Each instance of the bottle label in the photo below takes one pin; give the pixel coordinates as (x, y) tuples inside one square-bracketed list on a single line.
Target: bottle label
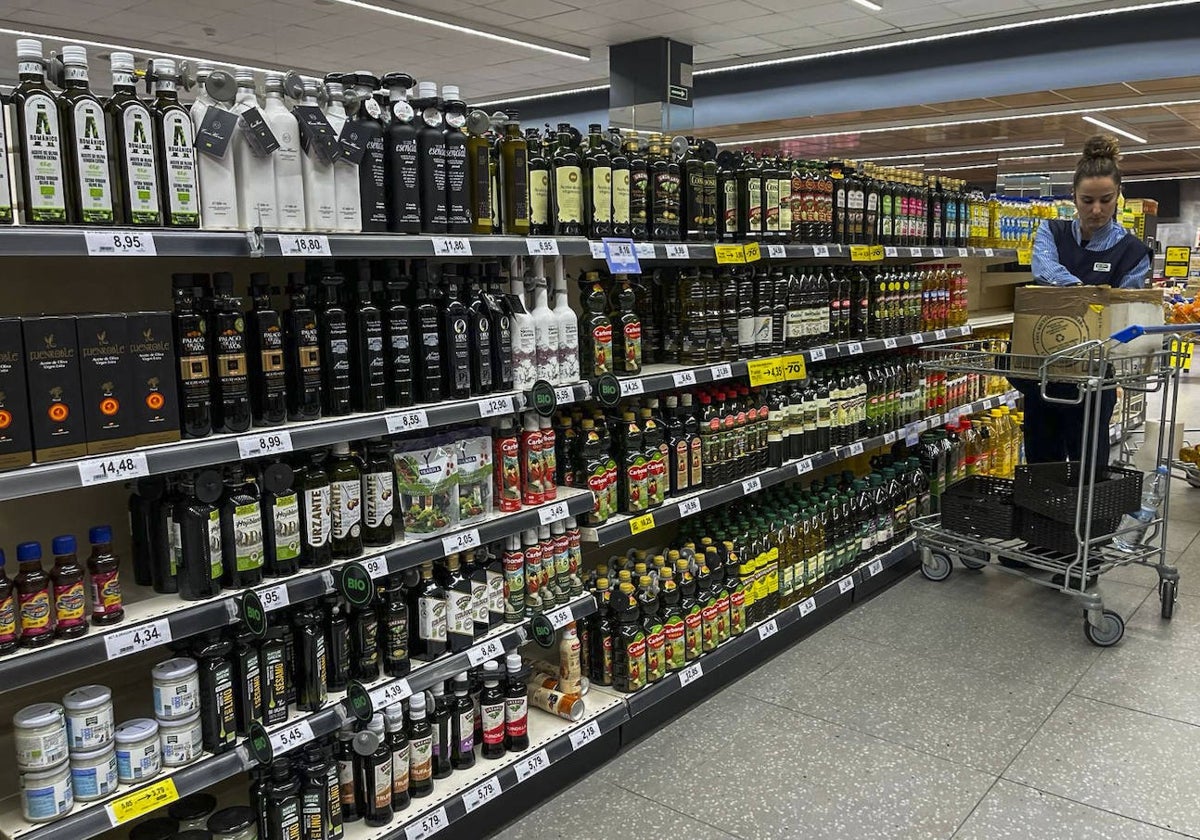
[(91, 159), (383, 784), (215, 555), (106, 594), (317, 512), (466, 731), (380, 498), (287, 528), (479, 601), (620, 197), (346, 500), (6, 212), (635, 658), (568, 181), (493, 715), (248, 537), (8, 619), (516, 716), (69, 604), (495, 592), (694, 633), (35, 612), (656, 663), (346, 782), (431, 619), (420, 761), (312, 813), (400, 769), (697, 462), (395, 636), (43, 158), (176, 546), (539, 196), (602, 194), (458, 613), (180, 169)]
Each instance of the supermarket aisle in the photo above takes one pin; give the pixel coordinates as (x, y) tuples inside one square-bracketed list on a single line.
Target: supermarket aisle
[(973, 709)]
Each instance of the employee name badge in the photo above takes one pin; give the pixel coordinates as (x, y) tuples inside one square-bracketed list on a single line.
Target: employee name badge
[(1105, 267)]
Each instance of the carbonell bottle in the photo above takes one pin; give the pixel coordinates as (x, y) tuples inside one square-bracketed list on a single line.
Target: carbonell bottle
[(348, 218), (218, 181), (289, 177), (320, 199), (255, 173)]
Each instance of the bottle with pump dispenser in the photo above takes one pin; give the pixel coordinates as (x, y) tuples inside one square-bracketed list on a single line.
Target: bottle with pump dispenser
[(288, 170), (178, 177), (85, 133), (131, 133), (43, 170), (218, 180), (348, 202), (257, 200)]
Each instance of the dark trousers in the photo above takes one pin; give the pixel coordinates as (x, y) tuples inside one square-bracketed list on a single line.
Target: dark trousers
[(1055, 432)]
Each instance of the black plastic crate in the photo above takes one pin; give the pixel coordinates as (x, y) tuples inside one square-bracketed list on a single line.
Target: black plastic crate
[(980, 505), (1048, 494)]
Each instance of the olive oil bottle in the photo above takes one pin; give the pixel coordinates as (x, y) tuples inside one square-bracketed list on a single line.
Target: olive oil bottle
[(85, 132), (268, 376), (39, 136), (345, 499), (598, 192), (227, 329), (401, 161), (514, 179), (568, 186), (191, 350), (175, 144), (132, 148), (540, 223), (302, 354)]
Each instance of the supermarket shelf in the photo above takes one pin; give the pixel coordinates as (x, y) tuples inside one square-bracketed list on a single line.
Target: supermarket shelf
[(225, 448), (622, 528), (399, 245), (698, 251), (159, 619), (72, 241), (665, 377), (93, 818), (989, 319)]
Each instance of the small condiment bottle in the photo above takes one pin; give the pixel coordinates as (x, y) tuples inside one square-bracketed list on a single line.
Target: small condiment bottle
[(8, 612), (104, 577), (33, 597)]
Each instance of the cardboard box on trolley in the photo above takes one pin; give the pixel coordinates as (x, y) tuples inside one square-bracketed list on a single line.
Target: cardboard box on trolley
[(1047, 319)]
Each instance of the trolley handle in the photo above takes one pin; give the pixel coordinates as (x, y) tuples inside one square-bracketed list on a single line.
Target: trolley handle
[(1135, 331)]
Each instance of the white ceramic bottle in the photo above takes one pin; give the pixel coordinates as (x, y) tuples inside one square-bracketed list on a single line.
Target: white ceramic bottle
[(320, 197), (545, 326), (257, 205), (524, 333), (289, 178), (345, 173), (218, 181), (568, 328)]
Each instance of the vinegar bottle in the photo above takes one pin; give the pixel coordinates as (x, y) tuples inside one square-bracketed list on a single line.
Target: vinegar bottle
[(257, 204)]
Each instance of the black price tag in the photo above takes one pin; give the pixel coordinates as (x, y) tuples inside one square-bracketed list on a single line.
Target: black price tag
[(608, 390), (316, 134), (542, 398), (216, 129), (258, 134), (353, 141)]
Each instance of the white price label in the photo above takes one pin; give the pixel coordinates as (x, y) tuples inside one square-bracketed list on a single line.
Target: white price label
[(916, 252), (989, 252), (776, 252), (855, 348), (389, 695), (304, 245), (689, 507), (462, 541), (597, 249), (585, 735), (856, 448), (451, 246), (804, 466), (721, 372), (940, 335), (676, 251), (428, 825), (274, 597), (962, 252), (564, 395), (553, 513), (889, 344), (890, 252), (495, 406), (684, 378), (817, 354), (820, 250), (807, 606), (542, 247), (846, 584), (485, 651), (134, 639), (532, 765), (376, 567), (560, 617), (482, 794), (644, 250), (917, 338), (290, 737), (264, 443), (768, 629), (690, 674), (889, 438), (939, 252), (751, 485), (407, 421), (112, 468), (632, 387), (875, 568), (120, 243)]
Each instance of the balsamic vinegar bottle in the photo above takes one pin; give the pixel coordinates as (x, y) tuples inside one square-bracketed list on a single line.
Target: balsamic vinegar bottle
[(420, 741), (335, 349), (175, 138), (460, 628), (397, 337), (39, 137), (280, 507), (442, 732), (401, 159), (394, 628), (369, 378), (364, 643), (427, 601), (191, 350), (268, 388), (397, 738), (456, 335), (241, 530), (462, 725), (516, 706), (89, 172), (373, 773), (491, 710), (302, 343), (428, 345), (431, 156), (458, 188), (372, 172), (227, 326)]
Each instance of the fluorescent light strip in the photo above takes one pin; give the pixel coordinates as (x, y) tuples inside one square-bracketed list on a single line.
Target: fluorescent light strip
[(867, 4), (1182, 176), (579, 54), (971, 166), (528, 97), (964, 152), (1113, 128)]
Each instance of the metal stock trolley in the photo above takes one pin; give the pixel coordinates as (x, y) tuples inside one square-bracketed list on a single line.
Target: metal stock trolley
[(1133, 359)]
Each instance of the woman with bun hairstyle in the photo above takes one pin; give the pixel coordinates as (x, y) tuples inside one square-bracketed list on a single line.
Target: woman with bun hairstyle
[(1090, 250)]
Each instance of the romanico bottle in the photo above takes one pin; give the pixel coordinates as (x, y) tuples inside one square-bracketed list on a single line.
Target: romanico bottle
[(43, 173), (85, 132), (175, 142), (131, 134)]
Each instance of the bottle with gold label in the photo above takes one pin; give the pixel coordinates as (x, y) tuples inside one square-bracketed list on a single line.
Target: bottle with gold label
[(567, 186), (598, 185)]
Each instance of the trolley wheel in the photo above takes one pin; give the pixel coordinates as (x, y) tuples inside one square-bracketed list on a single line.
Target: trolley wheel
[(1110, 631), (937, 567), (971, 560), (1166, 592)]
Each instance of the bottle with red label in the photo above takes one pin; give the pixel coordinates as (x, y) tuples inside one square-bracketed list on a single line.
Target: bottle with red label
[(33, 597), (8, 612), (104, 577), (627, 330), (508, 467), (629, 640), (532, 463), (70, 602), (533, 572), (516, 707), (656, 633), (514, 580), (595, 330), (492, 712), (549, 459), (634, 489), (656, 458)]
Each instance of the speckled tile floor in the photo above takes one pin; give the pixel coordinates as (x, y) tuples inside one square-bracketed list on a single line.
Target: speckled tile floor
[(973, 709)]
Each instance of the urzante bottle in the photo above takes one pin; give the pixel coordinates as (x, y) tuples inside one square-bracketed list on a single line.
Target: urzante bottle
[(175, 142), (315, 514), (257, 203), (348, 218), (345, 478), (431, 154), (85, 132), (401, 158), (131, 135), (372, 174), (218, 181), (39, 136), (288, 170)]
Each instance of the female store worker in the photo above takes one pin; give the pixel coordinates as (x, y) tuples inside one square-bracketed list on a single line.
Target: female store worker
[(1091, 250)]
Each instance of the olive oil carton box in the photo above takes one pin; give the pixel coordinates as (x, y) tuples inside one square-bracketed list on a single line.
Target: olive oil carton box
[(155, 396), (1047, 319), (16, 437), (55, 393), (105, 373)]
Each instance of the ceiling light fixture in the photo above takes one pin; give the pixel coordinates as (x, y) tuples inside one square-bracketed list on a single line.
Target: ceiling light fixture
[(1115, 129), (970, 166), (546, 95), (867, 4), (1181, 176), (1146, 150), (1054, 144), (564, 50)]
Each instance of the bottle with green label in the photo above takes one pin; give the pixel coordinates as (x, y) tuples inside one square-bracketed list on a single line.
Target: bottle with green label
[(241, 530), (345, 482), (198, 521), (40, 138), (280, 505), (85, 132), (174, 140), (132, 149), (378, 495)]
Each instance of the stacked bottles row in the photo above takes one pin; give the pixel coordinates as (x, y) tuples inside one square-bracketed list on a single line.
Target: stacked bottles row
[(991, 443), (660, 611), (1001, 221)]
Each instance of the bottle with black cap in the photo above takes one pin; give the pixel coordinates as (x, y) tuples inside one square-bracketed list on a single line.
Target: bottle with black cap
[(283, 802), (431, 157), (337, 642), (231, 382), (333, 789), (568, 202), (491, 296), (198, 519), (334, 331), (316, 547), (397, 335), (430, 380), (457, 589), (456, 335), (373, 773), (276, 673), (364, 642), (151, 535), (191, 351), (378, 494), (347, 761), (427, 601), (483, 373), (462, 716), (441, 719), (311, 663), (247, 680), (218, 713), (401, 157), (268, 376), (315, 817), (394, 628), (302, 353), (241, 530), (492, 711), (280, 506), (397, 739), (368, 367), (420, 748), (372, 175)]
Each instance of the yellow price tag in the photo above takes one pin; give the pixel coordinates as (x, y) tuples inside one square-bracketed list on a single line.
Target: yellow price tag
[(765, 371), (752, 252), (866, 253), (1178, 254), (794, 367), (730, 254), (1175, 270), (1181, 356), (1024, 256), (641, 523), (142, 801)]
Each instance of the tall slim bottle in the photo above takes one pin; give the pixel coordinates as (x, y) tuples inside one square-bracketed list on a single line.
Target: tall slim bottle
[(302, 359), (39, 137), (514, 178), (458, 190), (569, 219), (191, 351), (268, 376), (598, 184), (335, 348), (320, 193), (401, 160), (397, 338), (372, 174), (288, 172), (231, 383), (368, 369), (257, 204), (85, 131), (132, 147), (431, 156), (174, 140), (218, 180), (540, 221), (347, 202)]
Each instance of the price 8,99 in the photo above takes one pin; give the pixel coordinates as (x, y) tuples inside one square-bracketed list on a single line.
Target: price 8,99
[(428, 825), (267, 443)]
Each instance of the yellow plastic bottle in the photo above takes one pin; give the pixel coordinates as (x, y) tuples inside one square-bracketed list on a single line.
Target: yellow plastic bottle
[(1001, 463)]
